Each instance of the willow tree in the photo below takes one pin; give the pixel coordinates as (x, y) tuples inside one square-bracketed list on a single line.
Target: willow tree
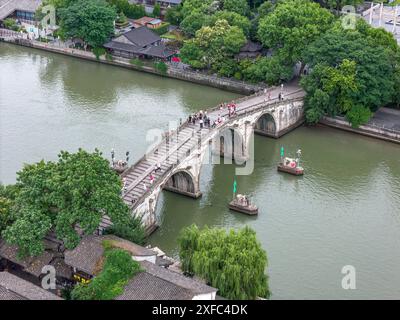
[(233, 262)]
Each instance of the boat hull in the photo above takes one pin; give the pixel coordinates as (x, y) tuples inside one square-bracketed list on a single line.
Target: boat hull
[(241, 209), (293, 171)]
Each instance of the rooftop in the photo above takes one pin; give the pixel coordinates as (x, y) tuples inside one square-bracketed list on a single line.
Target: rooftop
[(142, 37), (32, 265), (7, 7), (88, 254), (15, 288), (158, 283)]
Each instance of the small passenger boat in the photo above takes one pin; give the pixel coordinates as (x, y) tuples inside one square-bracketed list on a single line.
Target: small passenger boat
[(291, 166), (242, 204)]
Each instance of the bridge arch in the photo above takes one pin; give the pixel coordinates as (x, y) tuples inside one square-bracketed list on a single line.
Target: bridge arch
[(183, 182), (266, 125), (229, 144)]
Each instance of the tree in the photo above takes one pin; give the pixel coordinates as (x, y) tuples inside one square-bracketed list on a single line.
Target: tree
[(174, 15), (233, 262), (90, 20), (157, 10), (329, 90), (376, 58), (233, 18), (238, 6), (213, 46), (7, 204), (204, 6), (77, 190), (292, 26), (271, 70), (193, 22), (131, 230)]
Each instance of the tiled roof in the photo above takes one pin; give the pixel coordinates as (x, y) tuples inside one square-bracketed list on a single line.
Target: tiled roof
[(160, 51), (32, 265), (15, 288), (145, 286), (7, 7), (185, 282), (142, 36), (6, 294), (158, 283), (87, 254)]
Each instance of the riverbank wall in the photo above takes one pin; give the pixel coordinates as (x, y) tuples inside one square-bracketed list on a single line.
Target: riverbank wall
[(227, 84), (368, 130)]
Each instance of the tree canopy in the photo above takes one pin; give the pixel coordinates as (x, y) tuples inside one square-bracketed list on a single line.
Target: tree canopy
[(233, 262), (333, 87), (292, 26), (90, 20), (76, 191), (213, 46)]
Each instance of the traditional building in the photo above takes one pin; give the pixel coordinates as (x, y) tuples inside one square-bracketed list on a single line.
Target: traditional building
[(31, 268), (23, 10), (151, 23), (15, 288), (139, 43), (154, 283)]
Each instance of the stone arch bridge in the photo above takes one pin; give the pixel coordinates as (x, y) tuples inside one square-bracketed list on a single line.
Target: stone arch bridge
[(182, 152)]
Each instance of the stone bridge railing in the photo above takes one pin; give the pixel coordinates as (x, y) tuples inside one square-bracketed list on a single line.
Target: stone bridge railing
[(241, 113)]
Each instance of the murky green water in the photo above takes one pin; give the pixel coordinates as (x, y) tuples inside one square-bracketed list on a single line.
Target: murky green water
[(344, 211)]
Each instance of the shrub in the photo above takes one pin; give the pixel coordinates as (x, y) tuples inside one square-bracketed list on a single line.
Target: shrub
[(161, 67), (233, 262), (118, 268), (132, 231), (137, 62), (98, 52), (161, 29)]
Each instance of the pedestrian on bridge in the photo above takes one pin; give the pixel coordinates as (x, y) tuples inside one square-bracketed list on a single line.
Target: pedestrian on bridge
[(151, 177), (158, 167)]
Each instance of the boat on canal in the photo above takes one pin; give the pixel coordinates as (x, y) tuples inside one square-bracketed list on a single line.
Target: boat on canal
[(290, 165), (241, 203)]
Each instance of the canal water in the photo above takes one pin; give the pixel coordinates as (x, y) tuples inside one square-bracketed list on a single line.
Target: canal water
[(344, 211)]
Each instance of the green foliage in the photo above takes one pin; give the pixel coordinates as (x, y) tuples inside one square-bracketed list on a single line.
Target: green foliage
[(174, 15), (358, 115), (161, 67), (157, 10), (233, 18), (118, 269), (193, 22), (292, 26), (137, 62), (329, 90), (10, 23), (133, 230), (90, 20), (77, 190), (133, 11), (28, 231), (375, 55), (98, 52), (213, 46), (161, 29), (7, 203), (339, 4), (238, 6), (271, 70), (233, 262)]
